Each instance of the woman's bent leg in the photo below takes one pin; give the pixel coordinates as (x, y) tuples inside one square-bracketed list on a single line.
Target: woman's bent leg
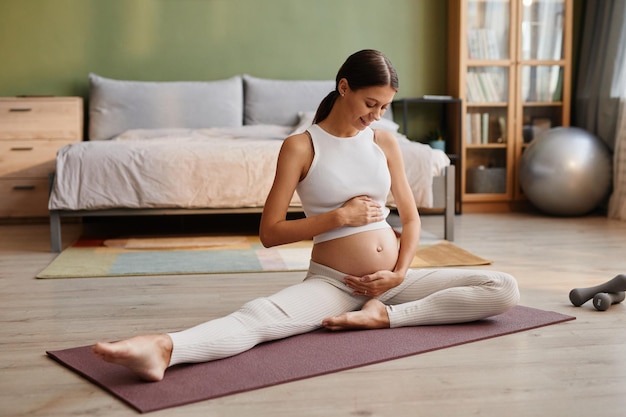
[(445, 296)]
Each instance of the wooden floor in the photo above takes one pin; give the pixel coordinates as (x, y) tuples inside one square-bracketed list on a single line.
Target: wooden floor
[(576, 368)]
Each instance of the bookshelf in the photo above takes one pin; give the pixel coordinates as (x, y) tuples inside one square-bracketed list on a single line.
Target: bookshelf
[(510, 64)]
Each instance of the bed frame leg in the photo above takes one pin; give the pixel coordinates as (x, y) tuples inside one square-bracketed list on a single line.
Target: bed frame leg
[(55, 232), (448, 228)]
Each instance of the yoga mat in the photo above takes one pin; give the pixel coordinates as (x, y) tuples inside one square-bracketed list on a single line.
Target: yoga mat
[(298, 357)]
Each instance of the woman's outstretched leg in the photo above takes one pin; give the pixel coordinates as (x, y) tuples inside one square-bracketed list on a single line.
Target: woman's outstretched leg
[(294, 310)]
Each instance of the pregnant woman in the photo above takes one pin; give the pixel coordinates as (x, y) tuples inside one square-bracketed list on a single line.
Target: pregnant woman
[(359, 274)]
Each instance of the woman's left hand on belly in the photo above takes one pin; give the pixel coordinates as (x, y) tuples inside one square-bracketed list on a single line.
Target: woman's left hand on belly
[(375, 284)]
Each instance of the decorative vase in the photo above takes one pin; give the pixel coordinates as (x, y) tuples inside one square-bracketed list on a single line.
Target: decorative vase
[(438, 144)]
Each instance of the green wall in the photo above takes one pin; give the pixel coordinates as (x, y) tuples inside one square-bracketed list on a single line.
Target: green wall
[(47, 47)]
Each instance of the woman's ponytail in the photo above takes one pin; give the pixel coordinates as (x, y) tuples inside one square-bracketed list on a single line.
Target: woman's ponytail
[(323, 110)]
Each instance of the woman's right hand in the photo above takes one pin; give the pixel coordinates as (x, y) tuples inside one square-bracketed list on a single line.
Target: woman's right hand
[(361, 210)]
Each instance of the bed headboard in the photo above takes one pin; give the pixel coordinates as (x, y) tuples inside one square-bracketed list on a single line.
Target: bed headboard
[(116, 106)]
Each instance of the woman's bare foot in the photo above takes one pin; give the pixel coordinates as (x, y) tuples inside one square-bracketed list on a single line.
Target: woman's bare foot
[(373, 315), (147, 356)]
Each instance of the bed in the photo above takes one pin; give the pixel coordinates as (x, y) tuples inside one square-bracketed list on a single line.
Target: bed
[(162, 148)]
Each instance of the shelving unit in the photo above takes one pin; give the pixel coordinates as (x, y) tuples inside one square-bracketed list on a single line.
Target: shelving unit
[(510, 64), (447, 121)]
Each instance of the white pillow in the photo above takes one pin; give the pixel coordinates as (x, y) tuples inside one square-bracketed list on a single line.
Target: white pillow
[(305, 120), (277, 102), (116, 106)]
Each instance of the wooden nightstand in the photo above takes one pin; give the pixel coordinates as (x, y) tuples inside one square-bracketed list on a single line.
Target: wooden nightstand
[(32, 130)]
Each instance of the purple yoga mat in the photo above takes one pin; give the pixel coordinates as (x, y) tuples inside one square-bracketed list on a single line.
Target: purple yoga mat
[(290, 359)]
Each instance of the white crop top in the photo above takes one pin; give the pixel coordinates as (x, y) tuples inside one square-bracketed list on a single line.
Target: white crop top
[(344, 168)]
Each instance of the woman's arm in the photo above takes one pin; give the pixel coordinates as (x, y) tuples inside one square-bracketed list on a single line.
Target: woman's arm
[(403, 197)]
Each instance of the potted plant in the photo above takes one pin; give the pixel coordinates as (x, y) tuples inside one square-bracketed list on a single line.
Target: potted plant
[(435, 139)]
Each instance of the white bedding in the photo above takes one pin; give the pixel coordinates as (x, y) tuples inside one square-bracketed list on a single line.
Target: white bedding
[(202, 168)]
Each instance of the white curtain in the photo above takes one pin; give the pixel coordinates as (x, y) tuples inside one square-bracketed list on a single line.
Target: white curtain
[(601, 88), (617, 203)]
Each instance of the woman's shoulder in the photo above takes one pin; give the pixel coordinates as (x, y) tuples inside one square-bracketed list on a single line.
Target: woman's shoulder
[(384, 138), (298, 139), (300, 143), (388, 142)]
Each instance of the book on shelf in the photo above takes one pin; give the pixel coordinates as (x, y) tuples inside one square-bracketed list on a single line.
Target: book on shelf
[(484, 86), (482, 43), (485, 128), (475, 129)]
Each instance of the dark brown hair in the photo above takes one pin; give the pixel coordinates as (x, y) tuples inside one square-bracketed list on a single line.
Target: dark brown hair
[(366, 68)]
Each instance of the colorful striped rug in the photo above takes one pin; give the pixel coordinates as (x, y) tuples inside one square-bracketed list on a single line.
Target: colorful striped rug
[(211, 255)]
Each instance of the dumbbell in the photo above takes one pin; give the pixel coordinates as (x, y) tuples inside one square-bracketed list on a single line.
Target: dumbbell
[(579, 296), (603, 300)]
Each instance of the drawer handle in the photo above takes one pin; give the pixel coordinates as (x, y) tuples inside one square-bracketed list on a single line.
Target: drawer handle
[(24, 148), (23, 187), (20, 109)]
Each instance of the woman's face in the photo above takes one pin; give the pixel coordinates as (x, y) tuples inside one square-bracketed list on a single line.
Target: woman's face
[(367, 105)]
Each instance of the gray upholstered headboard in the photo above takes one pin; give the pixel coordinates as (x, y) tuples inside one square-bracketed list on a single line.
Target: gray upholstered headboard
[(119, 105)]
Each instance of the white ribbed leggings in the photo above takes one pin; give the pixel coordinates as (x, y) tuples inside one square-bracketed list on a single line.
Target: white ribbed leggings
[(425, 297)]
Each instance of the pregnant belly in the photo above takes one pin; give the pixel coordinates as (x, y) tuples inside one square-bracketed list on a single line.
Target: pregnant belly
[(359, 254)]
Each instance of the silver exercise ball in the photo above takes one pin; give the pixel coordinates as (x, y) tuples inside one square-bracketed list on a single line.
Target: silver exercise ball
[(566, 171)]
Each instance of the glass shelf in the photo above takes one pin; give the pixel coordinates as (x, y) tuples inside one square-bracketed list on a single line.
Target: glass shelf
[(488, 29), (542, 83), (542, 29)]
